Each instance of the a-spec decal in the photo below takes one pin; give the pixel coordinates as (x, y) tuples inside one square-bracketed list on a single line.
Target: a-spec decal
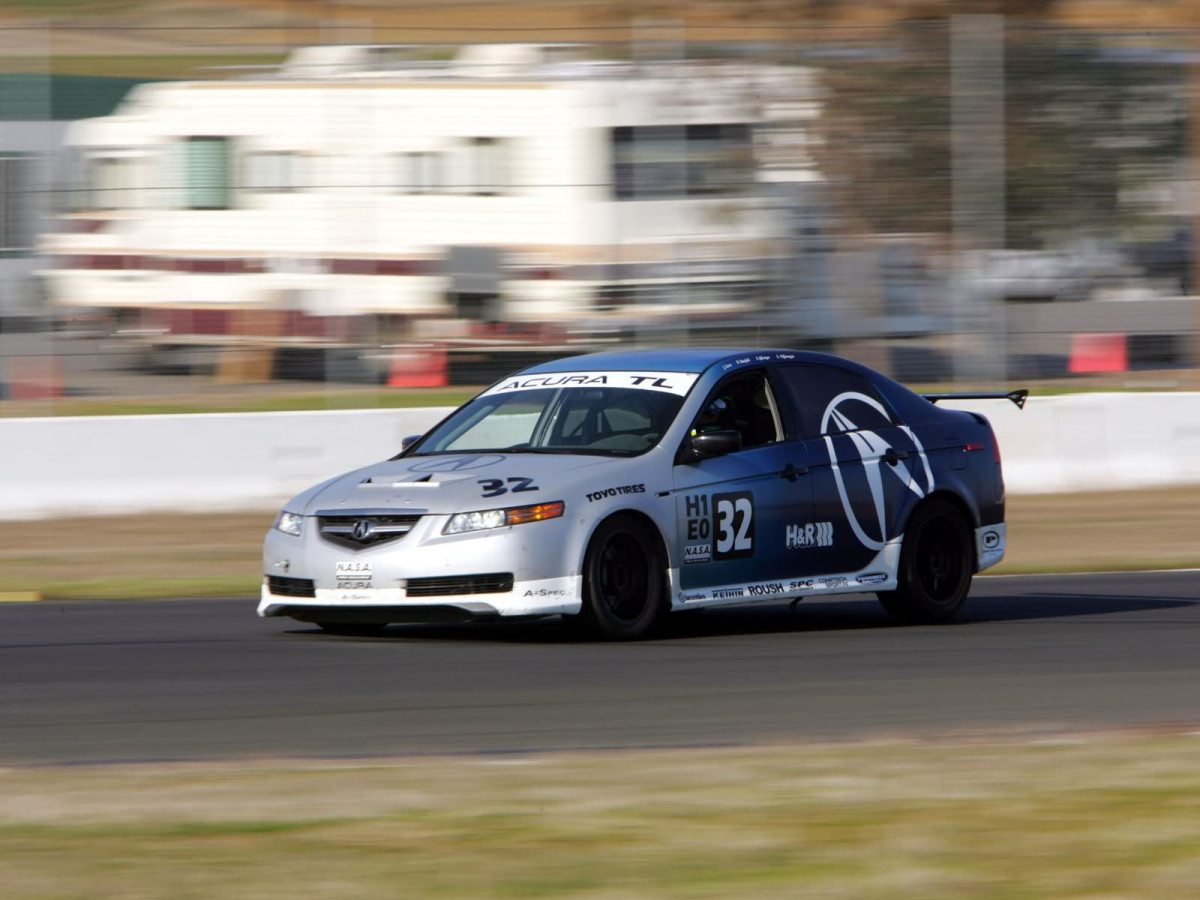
[(869, 446), (614, 491), (664, 382), (813, 534), (494, 487), (733, 525)]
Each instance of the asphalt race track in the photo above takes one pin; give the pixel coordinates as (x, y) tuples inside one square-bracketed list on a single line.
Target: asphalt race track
[(207, 679)]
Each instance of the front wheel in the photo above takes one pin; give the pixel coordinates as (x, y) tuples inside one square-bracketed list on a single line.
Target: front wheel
[(623, 579), (936, 566)]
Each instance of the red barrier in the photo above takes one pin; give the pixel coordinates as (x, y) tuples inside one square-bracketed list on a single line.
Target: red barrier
[(418, 367), (34, 378), (1098, 353)]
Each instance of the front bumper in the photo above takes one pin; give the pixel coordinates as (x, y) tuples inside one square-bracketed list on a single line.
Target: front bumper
[(542, 582)]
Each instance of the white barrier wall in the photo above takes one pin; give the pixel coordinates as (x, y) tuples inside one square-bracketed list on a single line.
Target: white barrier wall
[(254, 461), (97, 465)]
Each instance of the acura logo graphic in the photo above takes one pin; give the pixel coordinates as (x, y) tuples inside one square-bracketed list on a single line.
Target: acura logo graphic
[(362, 529), (870, 447), (456, 463)]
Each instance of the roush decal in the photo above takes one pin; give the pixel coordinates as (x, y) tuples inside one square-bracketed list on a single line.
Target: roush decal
[(814, 534), (767, 589), (733, 525), (867, 449), (614, 491), (666, 382)]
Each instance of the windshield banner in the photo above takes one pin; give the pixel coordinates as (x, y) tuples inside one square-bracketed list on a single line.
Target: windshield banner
[(665, 382)]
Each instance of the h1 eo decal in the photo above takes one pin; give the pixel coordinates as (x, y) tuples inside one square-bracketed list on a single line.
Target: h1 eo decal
[(869, 447), (733, 525)]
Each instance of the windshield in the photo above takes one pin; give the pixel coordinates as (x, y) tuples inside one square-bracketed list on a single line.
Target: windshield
[(527, 417)]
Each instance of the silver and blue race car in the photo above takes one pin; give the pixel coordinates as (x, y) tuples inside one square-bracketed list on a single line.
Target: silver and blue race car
[(618, 487)]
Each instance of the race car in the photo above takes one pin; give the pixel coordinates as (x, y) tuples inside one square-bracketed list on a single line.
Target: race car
[(615, 488)]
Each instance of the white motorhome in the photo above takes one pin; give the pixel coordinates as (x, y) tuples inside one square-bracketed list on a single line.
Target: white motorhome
[(511, 183)]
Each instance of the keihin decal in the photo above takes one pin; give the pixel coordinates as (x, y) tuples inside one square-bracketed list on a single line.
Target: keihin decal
[(870, 447), (728, 594), (814, 534), (666, 382)]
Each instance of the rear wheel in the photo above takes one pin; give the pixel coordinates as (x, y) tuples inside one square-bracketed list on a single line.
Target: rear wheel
[(936, 565), (623, 579)]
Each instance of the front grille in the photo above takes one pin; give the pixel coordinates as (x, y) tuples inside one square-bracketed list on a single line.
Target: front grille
[(366, 529), (291, 587), (496, 583)]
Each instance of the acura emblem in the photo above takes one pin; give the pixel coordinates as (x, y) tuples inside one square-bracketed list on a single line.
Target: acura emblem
[(362, 529)]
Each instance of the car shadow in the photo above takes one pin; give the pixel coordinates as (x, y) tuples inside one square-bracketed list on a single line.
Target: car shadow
[(853, 613)]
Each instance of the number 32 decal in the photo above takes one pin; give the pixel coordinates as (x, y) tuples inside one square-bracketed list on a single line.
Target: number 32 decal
[(494, 487), (733, 525)]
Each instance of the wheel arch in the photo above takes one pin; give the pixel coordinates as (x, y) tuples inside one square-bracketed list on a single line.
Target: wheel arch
[(958, 501), (644, 519)]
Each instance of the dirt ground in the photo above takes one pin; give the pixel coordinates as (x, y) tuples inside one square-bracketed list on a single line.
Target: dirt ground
[(198, 555)]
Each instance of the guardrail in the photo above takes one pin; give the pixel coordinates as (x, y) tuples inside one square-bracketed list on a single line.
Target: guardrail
[(103, 465)]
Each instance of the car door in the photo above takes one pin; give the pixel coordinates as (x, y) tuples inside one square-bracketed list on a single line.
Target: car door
[(866, 469), (733, 510)]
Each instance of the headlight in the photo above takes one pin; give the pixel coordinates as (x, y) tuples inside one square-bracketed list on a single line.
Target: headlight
[(289, 523), (495, 518)]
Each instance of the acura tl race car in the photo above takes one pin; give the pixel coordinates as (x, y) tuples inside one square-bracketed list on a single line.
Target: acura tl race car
[(619, 487)]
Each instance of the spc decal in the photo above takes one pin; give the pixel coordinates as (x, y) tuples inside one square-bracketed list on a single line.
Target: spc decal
[(733, 525), (869, 448), (814, 534), (494, 487), (614, 491), (667, 382), (697, 553)]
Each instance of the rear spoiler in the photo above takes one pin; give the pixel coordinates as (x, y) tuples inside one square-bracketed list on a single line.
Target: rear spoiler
[(1017, 397)]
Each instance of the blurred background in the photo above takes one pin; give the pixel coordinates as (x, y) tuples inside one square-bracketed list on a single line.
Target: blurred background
[(277, 197)]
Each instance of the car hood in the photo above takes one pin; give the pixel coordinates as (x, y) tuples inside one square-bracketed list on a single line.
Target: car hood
[(447, 484)]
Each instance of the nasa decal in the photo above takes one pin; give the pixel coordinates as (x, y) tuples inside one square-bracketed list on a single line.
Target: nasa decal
[(853, 448)]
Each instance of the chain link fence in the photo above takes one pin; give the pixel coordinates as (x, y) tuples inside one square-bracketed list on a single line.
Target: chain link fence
[(968, 200)]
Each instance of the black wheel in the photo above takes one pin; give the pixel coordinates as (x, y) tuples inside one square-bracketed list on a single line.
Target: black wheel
[(936, 565), (360, 629), (623, 594)]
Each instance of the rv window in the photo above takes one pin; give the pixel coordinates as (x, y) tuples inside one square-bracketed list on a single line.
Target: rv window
[(661, 161), (206, 173), (273, 172), (16, 203), (419, 173)]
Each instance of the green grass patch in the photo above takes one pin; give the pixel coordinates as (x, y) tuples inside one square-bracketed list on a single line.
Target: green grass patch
[(990, 819), (151, 66), (140, 588)]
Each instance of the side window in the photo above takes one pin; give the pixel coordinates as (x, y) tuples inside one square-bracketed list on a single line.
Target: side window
[(742, 403), (830, 400)]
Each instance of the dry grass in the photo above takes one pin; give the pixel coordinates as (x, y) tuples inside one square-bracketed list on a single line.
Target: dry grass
[(1116, 817), (210, 555)]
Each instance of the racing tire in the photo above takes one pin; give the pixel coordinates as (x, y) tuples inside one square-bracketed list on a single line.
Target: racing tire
[(354, 629), (623, 595), (936, 566)]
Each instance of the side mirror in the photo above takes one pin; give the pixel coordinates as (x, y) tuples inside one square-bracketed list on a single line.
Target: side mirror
[(408, 441), (716, 443)]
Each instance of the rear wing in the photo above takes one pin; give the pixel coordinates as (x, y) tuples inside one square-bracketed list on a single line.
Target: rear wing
[(1017, 397)]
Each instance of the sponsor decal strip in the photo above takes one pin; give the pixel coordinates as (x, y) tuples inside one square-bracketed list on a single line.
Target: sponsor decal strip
[(665, 382), (799, 587)]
